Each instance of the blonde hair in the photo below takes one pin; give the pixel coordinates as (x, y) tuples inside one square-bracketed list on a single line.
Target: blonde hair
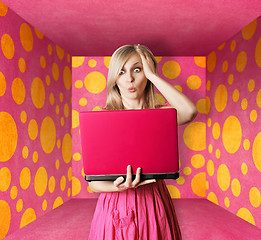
[(118, 59)]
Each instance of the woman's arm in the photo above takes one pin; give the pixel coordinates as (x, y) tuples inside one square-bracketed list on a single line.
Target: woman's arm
[(118, 185), (186, 110)]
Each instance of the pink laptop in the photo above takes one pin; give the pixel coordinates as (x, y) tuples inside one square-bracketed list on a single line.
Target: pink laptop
[(112, 140)]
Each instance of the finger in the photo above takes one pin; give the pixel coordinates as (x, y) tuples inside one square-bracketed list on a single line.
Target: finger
[(147, 182), (140, 52), (129, 176), (137, 178), (118, 181)]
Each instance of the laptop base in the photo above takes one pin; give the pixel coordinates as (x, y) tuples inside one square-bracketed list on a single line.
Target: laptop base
[(113, 177)]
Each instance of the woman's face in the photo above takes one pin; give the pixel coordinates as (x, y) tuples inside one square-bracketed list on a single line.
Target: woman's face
[(132, 80)]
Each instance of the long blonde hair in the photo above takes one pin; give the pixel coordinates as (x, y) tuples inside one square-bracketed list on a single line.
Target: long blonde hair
[(118, 59)]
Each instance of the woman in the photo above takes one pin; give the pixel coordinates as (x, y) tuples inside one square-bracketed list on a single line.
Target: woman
[(132, 209)]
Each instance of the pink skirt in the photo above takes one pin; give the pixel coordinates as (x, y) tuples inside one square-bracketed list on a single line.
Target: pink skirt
[(144, 213)]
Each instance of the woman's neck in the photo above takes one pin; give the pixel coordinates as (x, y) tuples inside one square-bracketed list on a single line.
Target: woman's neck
[(133, 104)]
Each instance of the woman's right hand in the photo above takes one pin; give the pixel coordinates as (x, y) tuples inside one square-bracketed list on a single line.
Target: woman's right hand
[(122, 186)]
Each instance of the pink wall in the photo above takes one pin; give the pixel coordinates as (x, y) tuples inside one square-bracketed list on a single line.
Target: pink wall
[(35, 124), (234, 124), (188, 75)]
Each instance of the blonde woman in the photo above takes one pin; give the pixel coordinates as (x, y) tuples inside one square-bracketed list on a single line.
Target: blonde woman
[(131, 209)]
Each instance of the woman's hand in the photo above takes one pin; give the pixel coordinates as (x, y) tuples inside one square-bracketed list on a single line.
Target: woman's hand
[(122, 186), (147, 62)]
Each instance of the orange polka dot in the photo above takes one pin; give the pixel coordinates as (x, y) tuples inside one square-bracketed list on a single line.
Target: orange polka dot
[(233, 45), (236, 187), (241, 61), (38, 33), (235, 95), (211, 61), (198, 184), (58, 202), (95, 82), (76, 186), (249, 30), (67, 78), (7, 46), (197, 161), (40, 181), (5, 179), (8, 136), (216, 130), (232, 134), (38, 92), (2, 84), (258, 98), (221, 98), (212, 198), (173, 191), (210, 168), (42, 62), (25, 178), (18, 91), (92, 63), (5, 218), (230, 79), (60, 52), (171, 69), (220, 47), (258, 53), (200, 61), (22, 65), (33, 129), (50, 49), (67, 148), (48, 134), (245, 214), (77, 61), (63, 183), (194, 136), (26, 37), (223, 177), (208, 85), (55, 71), (256, 151), (225, 66), (3, 12), (28, 217), (194, 82)]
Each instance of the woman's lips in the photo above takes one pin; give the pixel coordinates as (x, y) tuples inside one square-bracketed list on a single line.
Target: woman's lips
[(132, 89)]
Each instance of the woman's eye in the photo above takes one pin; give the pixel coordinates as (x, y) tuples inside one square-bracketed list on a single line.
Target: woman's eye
[(137, 70), (121, 72)]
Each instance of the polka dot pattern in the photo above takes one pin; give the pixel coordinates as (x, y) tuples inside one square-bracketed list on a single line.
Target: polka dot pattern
[(234, 162), (187, 74), (31, 181)]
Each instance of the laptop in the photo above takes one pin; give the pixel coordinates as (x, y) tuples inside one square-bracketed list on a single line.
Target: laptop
[(146, 138)]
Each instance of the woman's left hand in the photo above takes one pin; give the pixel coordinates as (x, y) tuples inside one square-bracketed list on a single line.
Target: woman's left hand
[(147, 62)]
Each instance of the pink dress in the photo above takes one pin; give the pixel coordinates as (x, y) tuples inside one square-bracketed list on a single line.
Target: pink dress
[(143, 213)]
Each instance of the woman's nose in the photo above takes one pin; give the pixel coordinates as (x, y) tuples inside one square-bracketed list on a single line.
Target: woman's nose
[(130, 77)]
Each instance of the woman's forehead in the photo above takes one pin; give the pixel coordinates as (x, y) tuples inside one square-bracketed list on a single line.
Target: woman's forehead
[(132, 60)]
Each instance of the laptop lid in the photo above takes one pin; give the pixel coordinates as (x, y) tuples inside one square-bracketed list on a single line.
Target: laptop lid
[(146, 138)]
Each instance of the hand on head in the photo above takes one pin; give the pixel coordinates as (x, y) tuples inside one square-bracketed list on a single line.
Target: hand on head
[(147, 62), (121, 186)]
